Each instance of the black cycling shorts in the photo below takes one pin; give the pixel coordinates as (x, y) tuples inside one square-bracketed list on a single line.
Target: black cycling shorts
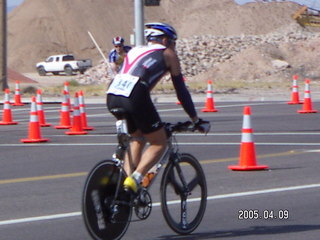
[(142, 113)]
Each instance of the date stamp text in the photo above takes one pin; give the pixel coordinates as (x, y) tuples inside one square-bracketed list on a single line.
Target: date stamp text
[(255, 214)]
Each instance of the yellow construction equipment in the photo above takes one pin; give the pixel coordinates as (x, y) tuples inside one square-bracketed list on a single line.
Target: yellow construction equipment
[(307, 18)]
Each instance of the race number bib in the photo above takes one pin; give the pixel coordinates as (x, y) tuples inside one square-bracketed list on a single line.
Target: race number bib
[(123, 84)]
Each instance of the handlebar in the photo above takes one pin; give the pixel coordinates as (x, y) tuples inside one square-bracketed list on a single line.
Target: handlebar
[(179, 127), (187, 126)]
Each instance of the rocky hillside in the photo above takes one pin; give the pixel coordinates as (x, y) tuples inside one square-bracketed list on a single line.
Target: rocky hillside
[(269, 58)]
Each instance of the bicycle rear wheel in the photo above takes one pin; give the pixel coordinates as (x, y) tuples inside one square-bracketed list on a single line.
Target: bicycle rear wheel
[(105, 217), (183, 183)]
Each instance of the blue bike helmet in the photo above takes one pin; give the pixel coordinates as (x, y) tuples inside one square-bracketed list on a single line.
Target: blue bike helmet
[(154, 30)]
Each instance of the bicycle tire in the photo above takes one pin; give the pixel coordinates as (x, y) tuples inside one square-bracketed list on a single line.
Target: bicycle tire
[(179, 220), (98, 194)]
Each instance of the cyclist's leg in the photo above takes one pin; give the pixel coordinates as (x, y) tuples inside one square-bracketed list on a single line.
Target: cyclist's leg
[(137, 145), (149, 158), (158, 143), (147, 120)]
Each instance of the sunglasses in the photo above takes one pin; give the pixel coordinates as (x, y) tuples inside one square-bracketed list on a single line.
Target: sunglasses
[(118, 46)]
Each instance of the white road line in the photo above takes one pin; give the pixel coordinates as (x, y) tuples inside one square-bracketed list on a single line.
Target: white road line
[(224, 106), (157, 204), (57, 144), (207, 135), (40, 218), (180, 143), (106, 114), (311, 151)]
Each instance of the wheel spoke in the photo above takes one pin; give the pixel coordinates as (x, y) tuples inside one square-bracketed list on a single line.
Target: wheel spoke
[(184, 215), (178, 188), (193, 183)]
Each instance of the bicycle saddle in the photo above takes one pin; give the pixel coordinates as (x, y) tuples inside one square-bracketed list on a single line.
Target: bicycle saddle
[(119, 113)]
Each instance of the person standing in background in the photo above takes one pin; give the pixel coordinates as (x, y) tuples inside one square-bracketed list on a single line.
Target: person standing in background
[(117, 55)]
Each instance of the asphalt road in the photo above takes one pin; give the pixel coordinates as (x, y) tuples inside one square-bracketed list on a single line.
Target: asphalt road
[(41, 184)]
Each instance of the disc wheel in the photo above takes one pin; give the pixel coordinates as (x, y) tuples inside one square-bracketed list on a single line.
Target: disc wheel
[(105, 218), (183, 194)]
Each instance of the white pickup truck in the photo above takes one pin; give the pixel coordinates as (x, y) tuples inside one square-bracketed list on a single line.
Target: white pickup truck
[(63, 63)]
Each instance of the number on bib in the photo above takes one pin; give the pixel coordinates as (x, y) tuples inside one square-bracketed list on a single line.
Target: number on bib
[(123, 84)]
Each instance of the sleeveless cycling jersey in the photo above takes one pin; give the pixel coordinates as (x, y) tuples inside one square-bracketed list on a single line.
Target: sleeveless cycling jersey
[(147, 63), (142, 68)]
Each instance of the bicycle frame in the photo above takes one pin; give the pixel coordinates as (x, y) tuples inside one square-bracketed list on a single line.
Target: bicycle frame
[(123, 147)]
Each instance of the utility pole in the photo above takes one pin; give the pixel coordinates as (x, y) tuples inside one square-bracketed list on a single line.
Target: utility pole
[(3, 44), (139, 22), (139, 18)]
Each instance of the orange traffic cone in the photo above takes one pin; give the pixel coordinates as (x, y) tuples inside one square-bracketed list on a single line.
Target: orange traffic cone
[(307, 103), (295, 91), (17, 96), (247, 150), (209, 106), (64, 114), (66, 92), (77, 125), (83, 112), (41, 116), (34, 126), (7, 114)]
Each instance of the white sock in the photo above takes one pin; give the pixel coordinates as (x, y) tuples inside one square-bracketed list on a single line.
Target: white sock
[(137, 176)]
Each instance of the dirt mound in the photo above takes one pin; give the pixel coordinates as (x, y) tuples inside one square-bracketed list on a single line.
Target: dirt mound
[(40, 28), (225, 17)]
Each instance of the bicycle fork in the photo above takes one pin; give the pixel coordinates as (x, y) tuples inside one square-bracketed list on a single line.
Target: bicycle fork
[(114, 206), (184, 192)]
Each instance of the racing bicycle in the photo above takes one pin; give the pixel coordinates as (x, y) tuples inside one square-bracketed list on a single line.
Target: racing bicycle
[(107, 208)]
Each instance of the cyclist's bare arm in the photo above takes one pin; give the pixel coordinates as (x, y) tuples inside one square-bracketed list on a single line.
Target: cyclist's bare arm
[(114, 67), (172, 61)]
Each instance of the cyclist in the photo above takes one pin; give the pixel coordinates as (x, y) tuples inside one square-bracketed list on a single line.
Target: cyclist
[(117, 54), (143, 67)]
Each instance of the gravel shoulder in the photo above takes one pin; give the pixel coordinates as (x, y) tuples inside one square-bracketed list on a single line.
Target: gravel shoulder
[(49, 80), (248, 94)]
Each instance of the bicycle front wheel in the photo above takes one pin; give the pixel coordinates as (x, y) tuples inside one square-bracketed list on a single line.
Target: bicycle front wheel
[(106, 207), (184, 184)]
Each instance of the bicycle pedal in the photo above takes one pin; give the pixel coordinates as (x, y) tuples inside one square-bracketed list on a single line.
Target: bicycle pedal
[(139, 197), (142, 194)]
